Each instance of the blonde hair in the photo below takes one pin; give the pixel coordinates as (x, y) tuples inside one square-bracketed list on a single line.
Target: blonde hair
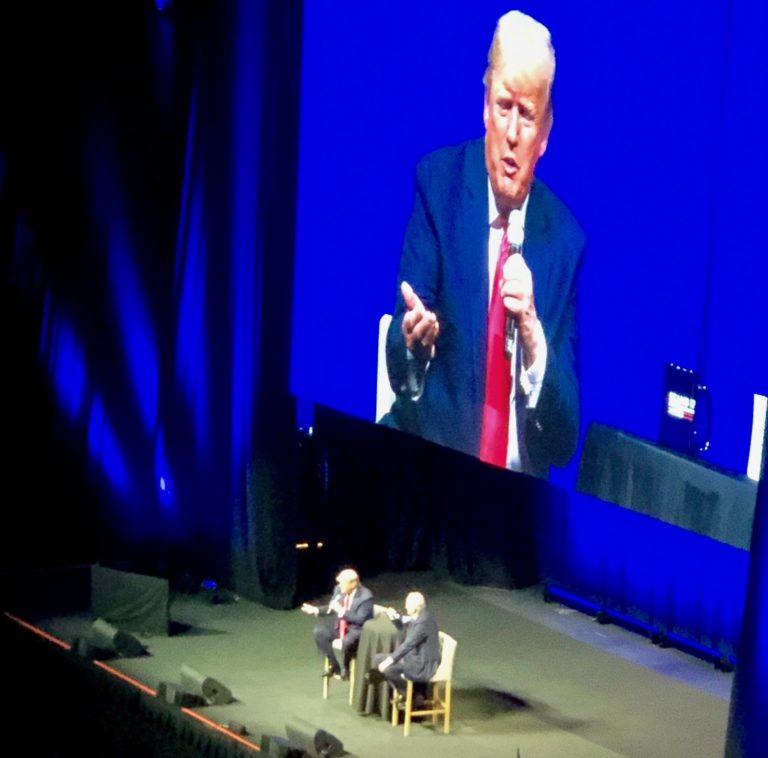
[(524, 43), (347, 575)]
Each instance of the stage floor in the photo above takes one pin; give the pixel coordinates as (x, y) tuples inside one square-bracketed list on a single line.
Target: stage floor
[(531, 676)]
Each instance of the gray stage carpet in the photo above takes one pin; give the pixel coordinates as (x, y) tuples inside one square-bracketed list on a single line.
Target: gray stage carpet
[(529, 676)]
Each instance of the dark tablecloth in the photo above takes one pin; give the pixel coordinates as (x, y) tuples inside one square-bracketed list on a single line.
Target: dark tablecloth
[(379, 635)]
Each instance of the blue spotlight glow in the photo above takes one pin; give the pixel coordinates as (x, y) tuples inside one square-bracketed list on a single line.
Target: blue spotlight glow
[(104, 449), (163, 478), (190, 277), (65, 358), (191, 274), (136, 330)]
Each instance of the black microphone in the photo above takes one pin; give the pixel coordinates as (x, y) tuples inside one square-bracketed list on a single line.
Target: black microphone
[(515, 234)]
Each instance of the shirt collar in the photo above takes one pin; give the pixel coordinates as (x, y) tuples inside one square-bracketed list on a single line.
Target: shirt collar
[(516, 217)]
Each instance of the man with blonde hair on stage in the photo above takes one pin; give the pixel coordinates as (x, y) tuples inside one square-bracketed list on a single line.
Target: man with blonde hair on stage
[(351, 605)]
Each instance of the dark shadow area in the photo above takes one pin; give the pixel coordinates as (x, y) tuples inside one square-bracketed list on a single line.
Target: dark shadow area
[(478, 703), (483, 705)]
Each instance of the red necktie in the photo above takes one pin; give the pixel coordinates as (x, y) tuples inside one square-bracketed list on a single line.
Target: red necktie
[(498, 377), (343, 621)]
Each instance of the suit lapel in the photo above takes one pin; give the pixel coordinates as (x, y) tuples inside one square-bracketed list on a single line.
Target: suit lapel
[(536, 249), (473, 246)]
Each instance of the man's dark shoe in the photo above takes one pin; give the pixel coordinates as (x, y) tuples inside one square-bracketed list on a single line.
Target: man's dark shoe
[(374, 676), (344, 675)]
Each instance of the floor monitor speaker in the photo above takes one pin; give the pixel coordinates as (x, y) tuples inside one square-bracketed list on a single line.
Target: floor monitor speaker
[(316, 742), (104, 636), (210, 689)]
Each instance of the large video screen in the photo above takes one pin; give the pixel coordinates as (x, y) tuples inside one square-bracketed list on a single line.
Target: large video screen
[(654, 149)]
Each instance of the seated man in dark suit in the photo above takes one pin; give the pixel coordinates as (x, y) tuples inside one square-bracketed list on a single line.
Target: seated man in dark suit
[(352, 605), (418, 656)]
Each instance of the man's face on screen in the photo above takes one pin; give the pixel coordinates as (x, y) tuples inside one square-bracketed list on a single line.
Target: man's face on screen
[(517, 120)]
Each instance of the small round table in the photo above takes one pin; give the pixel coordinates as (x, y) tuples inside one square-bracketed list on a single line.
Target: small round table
[(379, 635)]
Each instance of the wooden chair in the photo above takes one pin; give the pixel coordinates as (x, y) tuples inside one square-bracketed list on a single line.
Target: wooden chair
[(439, 699), (377, 609)]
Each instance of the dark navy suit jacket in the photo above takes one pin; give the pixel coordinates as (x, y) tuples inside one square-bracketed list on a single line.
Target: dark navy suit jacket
[(445, 259), (360, 610), (419, 653)]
